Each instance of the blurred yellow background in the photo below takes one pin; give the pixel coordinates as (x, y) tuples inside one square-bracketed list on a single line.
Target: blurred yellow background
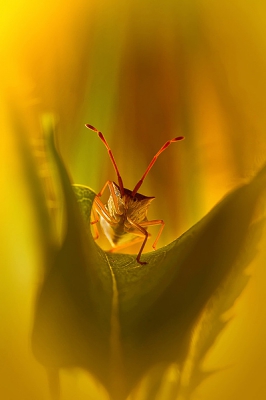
[(142, 72)]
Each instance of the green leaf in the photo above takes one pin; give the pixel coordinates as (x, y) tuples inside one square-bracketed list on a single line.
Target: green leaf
[(35, 186), (214, 320), (106, 313), (72, 318)]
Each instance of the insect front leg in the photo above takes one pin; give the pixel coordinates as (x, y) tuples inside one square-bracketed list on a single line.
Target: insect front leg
[(143, 231), (112, 192), (152, 223), (100, 208)]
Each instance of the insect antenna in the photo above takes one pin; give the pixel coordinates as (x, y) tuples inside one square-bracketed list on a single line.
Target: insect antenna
[(120, 182), (164, 147)]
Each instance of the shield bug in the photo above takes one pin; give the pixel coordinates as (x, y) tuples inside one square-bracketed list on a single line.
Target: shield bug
[(124, 217)]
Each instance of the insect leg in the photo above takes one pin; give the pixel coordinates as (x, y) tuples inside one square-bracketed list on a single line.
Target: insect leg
[(95, 215), (94, 222), (111, 189), (145, 233), (99, 208), (155, 222), (103, 189), (127, 244), (103, 212)]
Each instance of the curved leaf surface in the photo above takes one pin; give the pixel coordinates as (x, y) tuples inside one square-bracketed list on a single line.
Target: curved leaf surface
[(108, 314)]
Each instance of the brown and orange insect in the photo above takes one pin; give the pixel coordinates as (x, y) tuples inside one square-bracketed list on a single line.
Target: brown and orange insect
[(124, 217)]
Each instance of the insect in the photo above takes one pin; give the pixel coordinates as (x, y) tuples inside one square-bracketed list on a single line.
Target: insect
[(124, 217)]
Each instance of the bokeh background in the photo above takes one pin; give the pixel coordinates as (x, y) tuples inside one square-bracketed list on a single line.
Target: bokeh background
[(142, 72)]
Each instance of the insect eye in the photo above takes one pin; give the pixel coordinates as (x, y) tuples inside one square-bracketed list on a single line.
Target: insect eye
[(134, 199)]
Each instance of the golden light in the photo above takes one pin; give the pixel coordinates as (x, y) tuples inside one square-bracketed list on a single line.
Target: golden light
[(142, 73)]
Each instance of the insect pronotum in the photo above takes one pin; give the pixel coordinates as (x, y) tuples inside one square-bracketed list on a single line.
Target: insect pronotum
[(124, 217)]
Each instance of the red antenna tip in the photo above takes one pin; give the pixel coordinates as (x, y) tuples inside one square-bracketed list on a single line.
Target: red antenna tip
[(91, 127), (178, 138)]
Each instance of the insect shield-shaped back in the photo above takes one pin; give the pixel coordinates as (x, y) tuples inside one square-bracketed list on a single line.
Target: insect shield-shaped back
[(137, 206)]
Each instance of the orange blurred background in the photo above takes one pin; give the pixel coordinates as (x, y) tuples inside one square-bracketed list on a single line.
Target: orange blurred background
[(142, 73)]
